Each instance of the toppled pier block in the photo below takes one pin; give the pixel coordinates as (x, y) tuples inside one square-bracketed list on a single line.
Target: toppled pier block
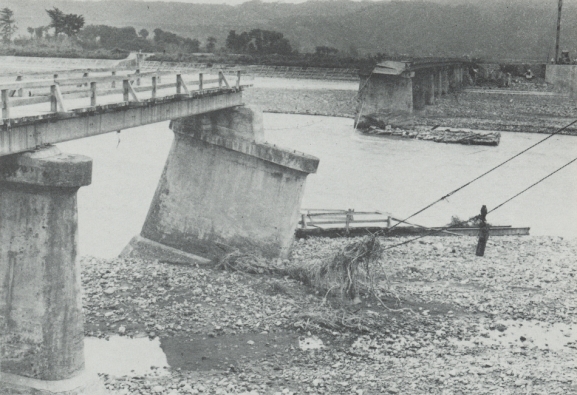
[(222, 189)]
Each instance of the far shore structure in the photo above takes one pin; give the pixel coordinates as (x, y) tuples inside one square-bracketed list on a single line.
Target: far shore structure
[(397, 88)]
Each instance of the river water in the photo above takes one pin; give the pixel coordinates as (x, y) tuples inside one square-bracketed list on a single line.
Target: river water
[(356, 171)]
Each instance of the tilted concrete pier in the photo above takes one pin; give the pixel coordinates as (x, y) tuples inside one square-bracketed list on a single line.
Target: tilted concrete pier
[(223, 188), (42, 334)]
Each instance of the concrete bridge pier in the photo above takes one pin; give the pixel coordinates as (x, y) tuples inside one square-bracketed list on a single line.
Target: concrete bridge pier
[(439, 83), (41, 302), (445, 83), (431, 89), (223, 188)]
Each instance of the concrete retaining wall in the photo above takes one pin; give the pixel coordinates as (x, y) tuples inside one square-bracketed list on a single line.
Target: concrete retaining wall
[(563, 77)]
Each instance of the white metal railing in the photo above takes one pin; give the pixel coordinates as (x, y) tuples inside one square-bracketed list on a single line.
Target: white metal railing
[(26, 92)]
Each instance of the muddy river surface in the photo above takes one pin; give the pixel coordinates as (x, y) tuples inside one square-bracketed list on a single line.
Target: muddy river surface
[(356, 171)]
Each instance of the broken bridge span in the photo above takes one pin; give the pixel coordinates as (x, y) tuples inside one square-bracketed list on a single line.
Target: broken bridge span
[(223, 188)]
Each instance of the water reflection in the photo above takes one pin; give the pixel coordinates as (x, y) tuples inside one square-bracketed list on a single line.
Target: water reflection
[(124, 356)]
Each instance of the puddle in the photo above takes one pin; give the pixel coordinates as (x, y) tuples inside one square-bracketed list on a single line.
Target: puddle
[(310, 343), (529, 334), (124, 356), (220, 352)]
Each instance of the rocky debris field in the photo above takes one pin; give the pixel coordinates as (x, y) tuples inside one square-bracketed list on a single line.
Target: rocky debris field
[(336, 103), (507, 110), (441, 321)]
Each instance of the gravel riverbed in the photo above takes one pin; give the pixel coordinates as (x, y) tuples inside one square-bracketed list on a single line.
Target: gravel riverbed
[(449, 322), (482, 109)]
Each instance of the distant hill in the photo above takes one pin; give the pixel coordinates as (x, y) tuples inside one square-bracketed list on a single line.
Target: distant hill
[(495, 29)]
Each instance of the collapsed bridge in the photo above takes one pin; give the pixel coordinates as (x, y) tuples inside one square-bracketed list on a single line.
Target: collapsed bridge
[(223, 188)]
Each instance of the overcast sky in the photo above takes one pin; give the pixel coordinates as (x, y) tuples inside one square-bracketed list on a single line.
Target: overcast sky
[(235, 2)]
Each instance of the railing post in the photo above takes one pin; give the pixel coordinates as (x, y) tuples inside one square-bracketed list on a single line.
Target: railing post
[(137, 77), (20, 90), (200, 86), (238, 79), (85, 75), (125, 90), (154, 86), (55, 76), (303, 221), (388, 222), (93, 94), (5, 103), (56, 99), (53, 99), (220, 79), (113, 85)]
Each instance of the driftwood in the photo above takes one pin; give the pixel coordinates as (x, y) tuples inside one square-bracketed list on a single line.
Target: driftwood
[(440, 135)]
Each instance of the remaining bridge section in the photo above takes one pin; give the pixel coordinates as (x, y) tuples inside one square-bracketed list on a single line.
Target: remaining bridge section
[(404, 86), (44, 111)]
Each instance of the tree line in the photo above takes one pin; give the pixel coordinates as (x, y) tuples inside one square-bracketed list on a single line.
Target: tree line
[(72, 27)]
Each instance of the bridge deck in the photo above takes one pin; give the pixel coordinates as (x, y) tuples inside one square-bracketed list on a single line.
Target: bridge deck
[(46, 111)]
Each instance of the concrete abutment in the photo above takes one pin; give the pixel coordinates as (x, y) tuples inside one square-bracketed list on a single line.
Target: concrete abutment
[(41, 303), (223, 189)]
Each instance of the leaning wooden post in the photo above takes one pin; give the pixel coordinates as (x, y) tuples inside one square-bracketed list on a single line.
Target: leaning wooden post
[(178, 84), (348, 219), (126, 90), (113, 85), (200, 85), (53, 99), (238, 79), (5, 104), (93, 94), (154, 86), (483, 232)]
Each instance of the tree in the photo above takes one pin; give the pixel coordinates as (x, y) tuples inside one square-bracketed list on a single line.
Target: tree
[(210, 44), (30, 30), (7, 24), (56, 20), (39, 31), (72, 24), (69, 24), (325, 51), (143, 33), (258, 41)]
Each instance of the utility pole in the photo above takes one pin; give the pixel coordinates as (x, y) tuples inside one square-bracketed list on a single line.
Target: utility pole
[(558, 32)]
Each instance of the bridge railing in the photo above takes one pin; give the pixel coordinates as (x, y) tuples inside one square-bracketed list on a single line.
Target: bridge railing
[(55, 90)]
